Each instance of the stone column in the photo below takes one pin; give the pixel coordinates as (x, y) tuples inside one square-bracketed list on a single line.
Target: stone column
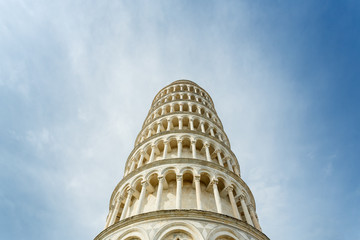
[(207, 113), (152, 154), (220, 138), (168, 124), (158, 128), (115, 212), (228, 161), (253, 217), (198, 192), (190, 107), (237, 172), (181, 107), (142, 196), (193, 148), (141, 160), (179, 148), (149, 133), (165, 149), (219, 158), (232, 201), (159, 192), (212, 132), (202, 126), (127, 203), (180, 123), (246, 212), (171, 108), (207, 152), (199, 110), (178, 191), (217, 195), (191, 124), (132, 165)]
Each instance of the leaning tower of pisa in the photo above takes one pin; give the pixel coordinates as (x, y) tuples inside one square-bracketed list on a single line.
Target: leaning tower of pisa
[(182, 181)]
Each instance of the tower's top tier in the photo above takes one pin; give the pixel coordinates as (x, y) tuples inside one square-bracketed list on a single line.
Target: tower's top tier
[(182, 85), (179, 96)]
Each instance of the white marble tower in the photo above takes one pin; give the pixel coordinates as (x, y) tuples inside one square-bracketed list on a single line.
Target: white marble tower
[(182, 181)]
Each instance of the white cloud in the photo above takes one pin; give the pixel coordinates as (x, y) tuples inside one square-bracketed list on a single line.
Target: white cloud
[(109, 61)]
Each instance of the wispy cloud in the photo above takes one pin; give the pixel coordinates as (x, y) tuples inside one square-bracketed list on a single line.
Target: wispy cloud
[(77, 79)]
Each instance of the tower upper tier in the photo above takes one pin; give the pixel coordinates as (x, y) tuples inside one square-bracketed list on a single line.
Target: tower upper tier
[(182, 111)]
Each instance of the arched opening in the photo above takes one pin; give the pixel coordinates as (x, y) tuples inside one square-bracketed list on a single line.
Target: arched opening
[(186, 123), (178, 235), (186, 146), (175, 123), (224, 237), (176, 107)]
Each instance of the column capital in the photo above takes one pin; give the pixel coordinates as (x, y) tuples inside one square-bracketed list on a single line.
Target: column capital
[(178, 177), (214, 181), (144, 183), (193, 141), (130, 191), (217, 151), (206, 144), (117, 200), (161, 178), (180, 117), (166, 142), (229, 188), (242, 197), (251, 207), (179, 140), (197, 178), (153, 146)]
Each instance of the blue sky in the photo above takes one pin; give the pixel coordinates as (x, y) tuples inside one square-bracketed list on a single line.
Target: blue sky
[(77, 79)]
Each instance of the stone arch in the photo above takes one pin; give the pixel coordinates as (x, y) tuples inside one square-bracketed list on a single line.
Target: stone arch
[(224, 233), (152, 178), (122, 190), (149, 175), (137, 181), (180, 227), (205, 176), (134, 233), (167, 170), (184, 170), (176, 88)]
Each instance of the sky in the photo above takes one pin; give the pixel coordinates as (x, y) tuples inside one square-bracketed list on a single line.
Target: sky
[(77, 79)]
